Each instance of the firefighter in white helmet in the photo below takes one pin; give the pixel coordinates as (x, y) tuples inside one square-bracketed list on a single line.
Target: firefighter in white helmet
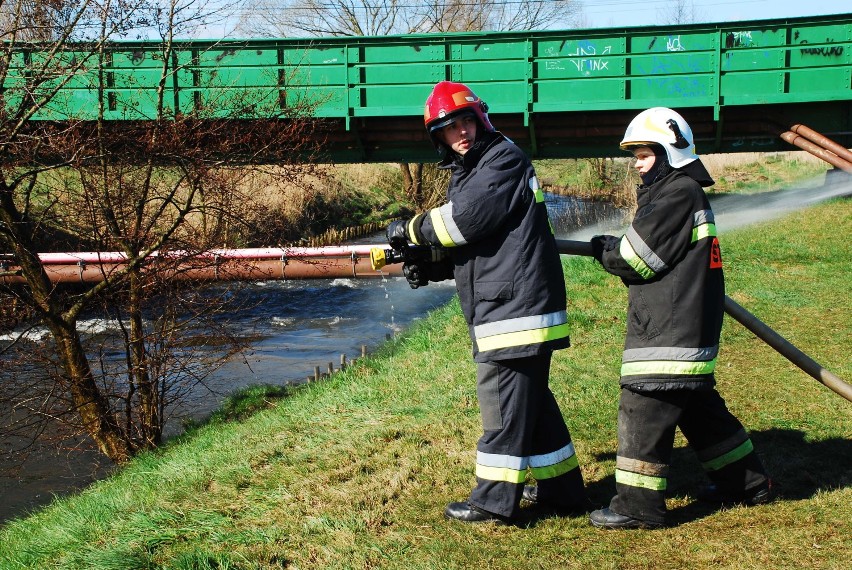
[(495, 230), (672, 264)]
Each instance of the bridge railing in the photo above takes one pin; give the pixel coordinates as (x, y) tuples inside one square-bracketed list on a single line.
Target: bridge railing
[(700, 65)]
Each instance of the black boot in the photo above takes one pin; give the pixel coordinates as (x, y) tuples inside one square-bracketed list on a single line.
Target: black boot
[(760, 495), (530, 495), (605, 518), (466, 512)]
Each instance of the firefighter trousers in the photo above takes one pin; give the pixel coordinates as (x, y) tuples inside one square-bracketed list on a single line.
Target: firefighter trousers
[(646, 431), (523, 429)]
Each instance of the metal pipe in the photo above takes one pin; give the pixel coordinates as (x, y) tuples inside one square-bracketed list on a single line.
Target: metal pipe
[(231, 265), (816, 150), (823, 141), (345, 261), (755, 325)]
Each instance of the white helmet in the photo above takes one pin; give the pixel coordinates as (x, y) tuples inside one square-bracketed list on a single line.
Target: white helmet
[(665, 127)]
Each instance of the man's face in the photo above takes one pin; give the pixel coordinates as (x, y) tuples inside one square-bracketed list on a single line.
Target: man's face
[(644, 159), (460, 134)]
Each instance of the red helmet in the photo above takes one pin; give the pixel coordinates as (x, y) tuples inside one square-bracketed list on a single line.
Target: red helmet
[(447, 101)]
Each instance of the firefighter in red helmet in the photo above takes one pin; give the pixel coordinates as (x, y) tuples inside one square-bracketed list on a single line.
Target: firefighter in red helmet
[(502, 252)]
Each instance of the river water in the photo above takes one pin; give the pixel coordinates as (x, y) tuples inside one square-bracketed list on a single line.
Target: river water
[(304, 324)]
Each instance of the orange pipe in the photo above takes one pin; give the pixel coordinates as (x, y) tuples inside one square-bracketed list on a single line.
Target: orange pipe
[(818, 151), (823, 141), (222, 270)]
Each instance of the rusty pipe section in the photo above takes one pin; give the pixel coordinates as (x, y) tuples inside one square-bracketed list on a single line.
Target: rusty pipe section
[(823, 141), (215, 265), (820, 146), (755, 325)]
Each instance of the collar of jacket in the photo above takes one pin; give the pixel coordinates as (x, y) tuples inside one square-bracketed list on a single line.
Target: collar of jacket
[(472, 156)]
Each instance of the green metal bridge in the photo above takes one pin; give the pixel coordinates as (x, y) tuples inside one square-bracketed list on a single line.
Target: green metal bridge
[(557, 94)]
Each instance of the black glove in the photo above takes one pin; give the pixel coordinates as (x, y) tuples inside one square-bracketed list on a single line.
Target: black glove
[(416, 274), (420, 273), (600, 244), (397, 234)]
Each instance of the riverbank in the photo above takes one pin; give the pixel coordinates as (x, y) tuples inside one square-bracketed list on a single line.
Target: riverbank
[(354, 472)]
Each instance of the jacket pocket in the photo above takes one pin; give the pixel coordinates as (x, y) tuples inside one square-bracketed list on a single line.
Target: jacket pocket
[(494, 290), (641, 318)]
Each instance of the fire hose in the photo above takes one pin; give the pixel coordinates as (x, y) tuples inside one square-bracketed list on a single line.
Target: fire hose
[(381, 256)]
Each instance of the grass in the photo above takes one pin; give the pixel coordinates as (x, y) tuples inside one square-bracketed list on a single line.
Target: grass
[(354, 472)]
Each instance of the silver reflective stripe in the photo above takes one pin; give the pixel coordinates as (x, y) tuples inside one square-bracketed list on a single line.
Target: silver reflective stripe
[(520, 324), (452, 229), (644, 252), (670, 353), (553, 457), (703, 217), (503, 461)]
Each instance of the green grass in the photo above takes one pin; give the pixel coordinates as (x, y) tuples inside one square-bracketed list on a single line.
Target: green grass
[(354, 471)]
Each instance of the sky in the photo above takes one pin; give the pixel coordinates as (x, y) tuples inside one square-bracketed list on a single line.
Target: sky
[(629, 13), (617, 13)]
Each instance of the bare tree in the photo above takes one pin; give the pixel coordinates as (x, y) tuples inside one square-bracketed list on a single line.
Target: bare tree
[(679, 12), (160, 181), (280, 18)]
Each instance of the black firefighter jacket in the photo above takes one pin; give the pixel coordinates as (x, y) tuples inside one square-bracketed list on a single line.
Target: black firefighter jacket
[(671, 261), (507, 268)]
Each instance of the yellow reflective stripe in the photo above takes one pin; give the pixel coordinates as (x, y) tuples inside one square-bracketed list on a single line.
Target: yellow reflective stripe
[(703, 231), (629, 254), (668, 367), (643, 481), (506, 474), (734, 455), (440, 228), (557, 469), (537, 192), (411, 234), (522, 338)]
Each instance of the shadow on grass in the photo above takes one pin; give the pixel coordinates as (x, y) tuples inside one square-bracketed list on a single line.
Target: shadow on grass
[(799, 469)]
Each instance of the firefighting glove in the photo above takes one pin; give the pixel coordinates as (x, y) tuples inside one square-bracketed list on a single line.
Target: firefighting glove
[(397, 234), (419, 273), (416, 273), (600, 244)]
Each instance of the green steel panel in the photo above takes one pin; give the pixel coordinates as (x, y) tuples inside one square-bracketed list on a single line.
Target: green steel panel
[(320, 75), (229, 57), (821, 82), (753, 59), (136, 105), (147, 78), (501, 97), (242, 77), (136, 59), (575, 95), (674, 63), (327, 102), (491, 71), (402, 53), (486, 50), (821, 46), (410, 73), (315, 55), (740, 88), (393, 99), (686, 91), (591, 47), (754, 38), (686, 41)]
